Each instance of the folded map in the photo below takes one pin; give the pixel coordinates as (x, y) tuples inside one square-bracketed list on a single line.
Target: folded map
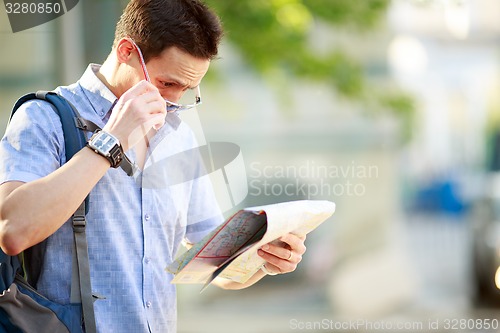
[(230, 251)]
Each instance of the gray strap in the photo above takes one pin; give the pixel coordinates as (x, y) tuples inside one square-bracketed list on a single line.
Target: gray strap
[(86, 125), (83, 267), (75, 280)]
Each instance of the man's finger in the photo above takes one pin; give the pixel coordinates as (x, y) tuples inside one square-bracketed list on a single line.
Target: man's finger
[(156, 122), (152, 103), (139, 89), (151, 96), (277, 251), (295, 242)]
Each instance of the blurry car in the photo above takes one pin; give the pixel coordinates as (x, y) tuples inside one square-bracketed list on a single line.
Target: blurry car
[(486, 236)]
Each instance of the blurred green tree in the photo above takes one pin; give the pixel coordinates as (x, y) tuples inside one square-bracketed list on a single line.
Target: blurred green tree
[(274, 35)]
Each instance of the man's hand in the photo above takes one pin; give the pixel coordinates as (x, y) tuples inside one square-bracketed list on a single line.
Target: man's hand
[(137, 111), (284, 255), (281, 256)]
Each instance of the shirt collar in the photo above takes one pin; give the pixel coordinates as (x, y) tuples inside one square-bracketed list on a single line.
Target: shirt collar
[(99, 96)]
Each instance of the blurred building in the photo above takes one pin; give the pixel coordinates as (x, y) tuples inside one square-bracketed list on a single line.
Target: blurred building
[(446, 53)]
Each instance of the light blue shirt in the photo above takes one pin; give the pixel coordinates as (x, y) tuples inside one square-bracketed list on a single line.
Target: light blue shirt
[(133, 231)]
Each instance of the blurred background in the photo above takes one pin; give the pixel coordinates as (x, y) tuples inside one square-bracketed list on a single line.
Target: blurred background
[(388, 108)]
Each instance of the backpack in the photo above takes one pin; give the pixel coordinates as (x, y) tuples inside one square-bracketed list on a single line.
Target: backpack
[(22, 308)]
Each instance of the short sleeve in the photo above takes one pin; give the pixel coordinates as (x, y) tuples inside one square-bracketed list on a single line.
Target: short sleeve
[(33, 144)]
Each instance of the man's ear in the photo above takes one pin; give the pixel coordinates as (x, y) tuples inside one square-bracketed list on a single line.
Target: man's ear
[(124, 50)]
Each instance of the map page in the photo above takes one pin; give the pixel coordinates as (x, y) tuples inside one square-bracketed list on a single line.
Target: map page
[(230, 251)]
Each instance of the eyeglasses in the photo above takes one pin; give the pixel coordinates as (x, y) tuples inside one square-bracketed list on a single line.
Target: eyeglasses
[(172, 106)]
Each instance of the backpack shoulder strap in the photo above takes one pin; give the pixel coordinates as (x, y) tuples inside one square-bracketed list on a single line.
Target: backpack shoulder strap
[(74, 140), (74, 137)]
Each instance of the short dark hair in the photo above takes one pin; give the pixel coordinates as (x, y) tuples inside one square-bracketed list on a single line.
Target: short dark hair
[(156, 25)]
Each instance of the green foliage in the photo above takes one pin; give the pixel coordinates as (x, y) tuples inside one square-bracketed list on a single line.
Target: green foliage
[(403, 106), (361, 14), (274, 35)]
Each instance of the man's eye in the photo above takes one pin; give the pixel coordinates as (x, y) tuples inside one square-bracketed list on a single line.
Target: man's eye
[(168, 84)]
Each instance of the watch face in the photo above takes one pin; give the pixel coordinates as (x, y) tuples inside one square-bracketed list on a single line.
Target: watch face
[(104, 142)]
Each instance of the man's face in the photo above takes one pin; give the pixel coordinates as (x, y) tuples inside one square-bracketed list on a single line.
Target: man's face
[(174, 72)]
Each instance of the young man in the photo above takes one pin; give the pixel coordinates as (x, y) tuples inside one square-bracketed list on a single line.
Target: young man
[(133, 231)]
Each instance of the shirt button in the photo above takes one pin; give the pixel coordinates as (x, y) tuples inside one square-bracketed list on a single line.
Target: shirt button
[(148, 260), (148, 304), (147, 217)]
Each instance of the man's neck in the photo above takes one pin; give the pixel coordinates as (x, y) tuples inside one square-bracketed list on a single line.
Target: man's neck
[(108, 75)]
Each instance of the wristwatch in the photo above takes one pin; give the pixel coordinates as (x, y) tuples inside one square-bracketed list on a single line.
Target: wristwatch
[(108, 146)]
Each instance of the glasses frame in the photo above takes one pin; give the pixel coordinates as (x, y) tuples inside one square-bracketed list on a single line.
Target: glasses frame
[(171, 106)]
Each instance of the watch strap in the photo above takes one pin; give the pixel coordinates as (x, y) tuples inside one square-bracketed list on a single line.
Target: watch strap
[(115, 156), (128, 166)]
